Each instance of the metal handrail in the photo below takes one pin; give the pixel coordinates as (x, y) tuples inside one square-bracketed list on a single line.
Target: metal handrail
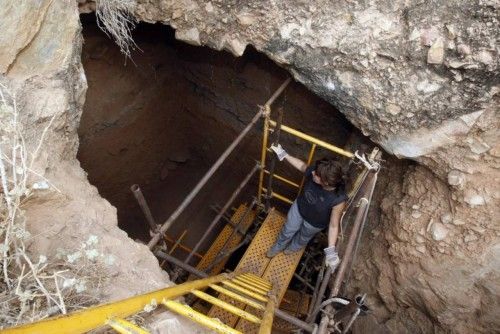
[(313, 140), (268, 123)]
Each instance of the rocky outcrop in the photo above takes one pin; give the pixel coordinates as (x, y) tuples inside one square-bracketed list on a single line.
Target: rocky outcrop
[(421, 79), (392, 67), (40, 49)]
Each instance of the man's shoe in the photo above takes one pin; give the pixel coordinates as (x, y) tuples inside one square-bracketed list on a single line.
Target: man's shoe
[(272, 252)]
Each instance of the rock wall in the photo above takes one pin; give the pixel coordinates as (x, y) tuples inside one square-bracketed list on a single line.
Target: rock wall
[(40, 64), (421, 79)]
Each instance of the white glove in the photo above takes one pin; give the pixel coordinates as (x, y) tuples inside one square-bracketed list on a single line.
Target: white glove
[(332, 259), (280, 152)]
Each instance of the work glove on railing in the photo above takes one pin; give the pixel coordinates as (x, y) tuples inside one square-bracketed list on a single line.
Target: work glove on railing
[(332, 259), (280, 152)]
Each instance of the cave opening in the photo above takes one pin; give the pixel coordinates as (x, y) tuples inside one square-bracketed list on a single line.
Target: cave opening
[(161, 118)]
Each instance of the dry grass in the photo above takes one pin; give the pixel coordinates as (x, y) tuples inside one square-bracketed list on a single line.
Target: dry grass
[(33, 288), (115, 19)]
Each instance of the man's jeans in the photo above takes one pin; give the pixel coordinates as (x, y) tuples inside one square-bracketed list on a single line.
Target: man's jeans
[(296, 232)]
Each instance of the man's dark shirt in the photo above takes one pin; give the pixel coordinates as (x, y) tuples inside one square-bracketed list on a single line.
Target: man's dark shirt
[(315, 203)]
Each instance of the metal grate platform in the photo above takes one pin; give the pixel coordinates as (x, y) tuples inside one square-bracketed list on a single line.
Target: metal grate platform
[(277, 271), (294, 303), (217, 245)]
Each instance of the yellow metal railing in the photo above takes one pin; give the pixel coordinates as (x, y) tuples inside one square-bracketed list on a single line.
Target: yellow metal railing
[(315, 142), (247, 288)]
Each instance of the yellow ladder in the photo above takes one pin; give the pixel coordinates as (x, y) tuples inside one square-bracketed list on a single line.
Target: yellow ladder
[(246, 288)]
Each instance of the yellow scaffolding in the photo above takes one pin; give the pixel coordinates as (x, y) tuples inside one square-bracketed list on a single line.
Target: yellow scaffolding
[(269, 125), (113, 314), (262, 273)]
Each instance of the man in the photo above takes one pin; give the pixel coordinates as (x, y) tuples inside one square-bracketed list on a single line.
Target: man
[(319, 205)]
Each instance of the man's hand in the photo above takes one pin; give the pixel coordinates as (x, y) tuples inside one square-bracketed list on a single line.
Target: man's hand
[(280, 152), (332, 259)]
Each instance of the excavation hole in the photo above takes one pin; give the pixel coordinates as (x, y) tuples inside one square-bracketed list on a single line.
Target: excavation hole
[(161, 119)]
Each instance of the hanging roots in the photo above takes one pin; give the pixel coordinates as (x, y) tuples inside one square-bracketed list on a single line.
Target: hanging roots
[(115, 19)]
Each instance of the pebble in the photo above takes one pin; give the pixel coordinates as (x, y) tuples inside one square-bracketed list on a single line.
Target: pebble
[(209, 7), (470, 237), (479, 147), (419, 239), (446, 218), (463, 49), (456, 178), (458, 222), (421, 249), (478, 229), (435, 55), (438, 231), (485, 57), (416, 214), (393, 109), (474, 199)]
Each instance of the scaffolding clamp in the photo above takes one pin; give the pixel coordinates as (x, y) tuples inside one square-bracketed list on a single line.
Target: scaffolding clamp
[(372, 166)]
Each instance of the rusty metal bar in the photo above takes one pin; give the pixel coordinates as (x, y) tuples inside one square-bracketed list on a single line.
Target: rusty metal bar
[(272, 164), (309, 160), (358, 221), (179, 263), (265, 134), (181, 246), (278, 92), (303, 281), (174, 247), (295, 321), (360, 215), (321, 292), (136, 190), (360, 233), (226, 206), (316, 289), (189, 198), (177, 243)]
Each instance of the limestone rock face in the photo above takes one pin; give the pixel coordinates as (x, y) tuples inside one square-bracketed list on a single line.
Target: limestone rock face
[(421, 79), (406, 74)]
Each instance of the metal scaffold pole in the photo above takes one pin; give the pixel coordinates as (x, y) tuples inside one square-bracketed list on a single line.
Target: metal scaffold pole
[(222, 211), (265, 136)]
